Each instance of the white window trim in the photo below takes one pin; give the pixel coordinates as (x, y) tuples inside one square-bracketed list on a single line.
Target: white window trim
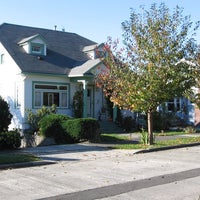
[(50, 91)]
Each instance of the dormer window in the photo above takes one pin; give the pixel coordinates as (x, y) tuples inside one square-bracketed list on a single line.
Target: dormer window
[(37, 48), (34, 45), (95, 51)]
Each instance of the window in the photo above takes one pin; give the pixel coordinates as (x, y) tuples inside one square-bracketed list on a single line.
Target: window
[(18, 91), (49, 94), (1, 58), (37, 48), (174, 105)]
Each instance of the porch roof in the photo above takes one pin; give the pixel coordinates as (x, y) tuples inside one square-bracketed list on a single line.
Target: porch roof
[(84, 69)]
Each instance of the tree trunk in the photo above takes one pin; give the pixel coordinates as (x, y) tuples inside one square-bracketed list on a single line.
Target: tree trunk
[(150, 127)]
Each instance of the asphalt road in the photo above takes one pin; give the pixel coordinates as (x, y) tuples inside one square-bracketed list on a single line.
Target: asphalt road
[(84, 172)]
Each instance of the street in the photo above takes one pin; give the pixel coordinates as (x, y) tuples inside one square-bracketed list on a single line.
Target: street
[(98, 173)]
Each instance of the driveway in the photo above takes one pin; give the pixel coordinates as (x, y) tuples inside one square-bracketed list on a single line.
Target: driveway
[(85, 171)]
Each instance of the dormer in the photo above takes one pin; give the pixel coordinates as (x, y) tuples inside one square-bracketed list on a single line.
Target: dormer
[(95, 51), (35, 45)]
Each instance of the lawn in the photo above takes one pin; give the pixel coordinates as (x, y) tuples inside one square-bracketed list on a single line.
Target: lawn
[(10, 158), (124, 142)]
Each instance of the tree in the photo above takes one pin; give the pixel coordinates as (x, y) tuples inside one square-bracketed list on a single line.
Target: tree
[(157, 62), (5, 115)]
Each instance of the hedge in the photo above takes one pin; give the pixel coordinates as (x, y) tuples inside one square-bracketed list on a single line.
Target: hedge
[(69, 130), (82, 129), (10, 139), (51, 126)]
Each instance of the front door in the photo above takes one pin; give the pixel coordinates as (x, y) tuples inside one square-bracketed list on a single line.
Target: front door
[(90, 102)]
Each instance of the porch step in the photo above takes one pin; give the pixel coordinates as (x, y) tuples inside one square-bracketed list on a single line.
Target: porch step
[(110, 127)]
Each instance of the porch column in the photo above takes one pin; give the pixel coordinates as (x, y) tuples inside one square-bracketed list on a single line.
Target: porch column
[(84, 82), (114, 113)]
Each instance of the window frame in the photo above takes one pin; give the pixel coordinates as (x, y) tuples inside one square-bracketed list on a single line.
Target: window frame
[(61, 89), (2, 55)]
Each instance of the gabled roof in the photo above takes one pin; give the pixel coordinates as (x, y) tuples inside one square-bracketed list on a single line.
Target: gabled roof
[(64, 50), (29, 39), (84, 69), (92, 47)]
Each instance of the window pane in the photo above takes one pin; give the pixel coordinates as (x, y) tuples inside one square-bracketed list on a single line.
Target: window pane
[(45, 99), (171, 107), (36, 48), (1, 58), (50, 98), (63, 87), (52, 87), (37, 98), (56, 99), (64, 100)]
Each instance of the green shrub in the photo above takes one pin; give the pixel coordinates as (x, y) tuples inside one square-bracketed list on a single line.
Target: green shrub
[(83, 129), (144, 138), (90, 129), (5, 115), (33, 118), (51, 126), (190, 130), (10, 139), (73, 128)]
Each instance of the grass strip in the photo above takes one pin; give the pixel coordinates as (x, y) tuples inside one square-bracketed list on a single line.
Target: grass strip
[(165, 143), (10, 158)]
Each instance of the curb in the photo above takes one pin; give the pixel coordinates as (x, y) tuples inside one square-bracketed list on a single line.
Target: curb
[(25, 164), (166, 148)]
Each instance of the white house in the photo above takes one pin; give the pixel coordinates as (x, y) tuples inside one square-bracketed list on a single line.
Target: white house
[(44, 67)]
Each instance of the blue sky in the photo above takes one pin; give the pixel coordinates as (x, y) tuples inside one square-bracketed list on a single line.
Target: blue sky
[(93, 19)]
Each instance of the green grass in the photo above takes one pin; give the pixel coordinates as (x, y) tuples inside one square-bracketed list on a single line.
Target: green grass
[(171, 133), (124, 142), (164, 143), (10, 158)]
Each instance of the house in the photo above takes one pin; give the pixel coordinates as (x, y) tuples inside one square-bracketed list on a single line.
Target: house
[(40, 67)]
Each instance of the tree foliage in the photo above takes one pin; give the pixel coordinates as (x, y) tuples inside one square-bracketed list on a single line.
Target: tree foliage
[(158, 61)]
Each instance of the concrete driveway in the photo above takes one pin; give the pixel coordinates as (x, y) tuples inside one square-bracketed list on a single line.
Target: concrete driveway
[(84, 172)]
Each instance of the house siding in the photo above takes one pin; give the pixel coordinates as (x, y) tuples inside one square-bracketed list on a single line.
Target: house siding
[(11, 81)]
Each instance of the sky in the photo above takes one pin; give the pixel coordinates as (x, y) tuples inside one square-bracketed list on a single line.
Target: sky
[(93, 19)]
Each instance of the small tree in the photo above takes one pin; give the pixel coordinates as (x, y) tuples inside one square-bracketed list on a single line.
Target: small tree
[(5, 115), (155, 63)]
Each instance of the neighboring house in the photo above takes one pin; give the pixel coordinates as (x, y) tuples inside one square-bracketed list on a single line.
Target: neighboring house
[(40, 67)]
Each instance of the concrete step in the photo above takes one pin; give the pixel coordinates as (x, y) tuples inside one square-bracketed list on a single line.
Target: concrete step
[(110, 127)]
